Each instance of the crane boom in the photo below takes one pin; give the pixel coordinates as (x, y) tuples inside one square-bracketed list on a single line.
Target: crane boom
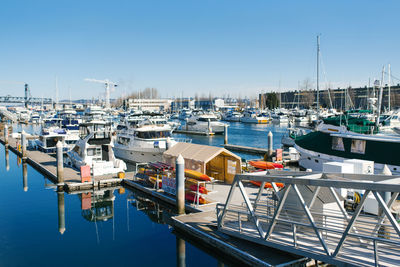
[(107, 83)]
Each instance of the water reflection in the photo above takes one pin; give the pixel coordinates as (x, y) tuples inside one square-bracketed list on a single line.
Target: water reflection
[(25, 176), (97, 205), (7, 156), (61, 212), (180, 252), (152, 209)]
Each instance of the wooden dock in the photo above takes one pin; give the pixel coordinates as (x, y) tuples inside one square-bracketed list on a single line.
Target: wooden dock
[(193, 132), (246, 149), (203, 227), (47, 165)]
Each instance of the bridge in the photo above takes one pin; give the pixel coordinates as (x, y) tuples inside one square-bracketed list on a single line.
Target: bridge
[(27, 99)]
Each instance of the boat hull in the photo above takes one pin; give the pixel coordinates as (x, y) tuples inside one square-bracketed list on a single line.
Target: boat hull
[(315, 160), (137, 155)]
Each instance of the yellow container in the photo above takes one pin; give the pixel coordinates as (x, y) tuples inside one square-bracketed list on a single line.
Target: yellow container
[(121, 191), (121, 175)]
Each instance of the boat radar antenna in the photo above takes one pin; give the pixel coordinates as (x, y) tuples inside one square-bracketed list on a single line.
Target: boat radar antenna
[(110, 86)]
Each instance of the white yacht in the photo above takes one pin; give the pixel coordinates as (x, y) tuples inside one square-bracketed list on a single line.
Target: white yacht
[(94, 113), (232, 116), (48, 139), (205, 122), (94, 148), (254, 117), (143, 142), (52, 132), (279, 117)]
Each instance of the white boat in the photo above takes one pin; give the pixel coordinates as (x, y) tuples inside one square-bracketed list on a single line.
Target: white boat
[(144, 142), (253, 117), (48, 140), (205, 122), (94, 148), (232, 116), (279, 117), (94, 113)]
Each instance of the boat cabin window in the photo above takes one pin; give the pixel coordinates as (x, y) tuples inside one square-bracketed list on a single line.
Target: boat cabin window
[(121, 127), (91, 151), (337, 143), (358, 146), (52, 141), (153, 134), (123, 140), (206, 119)]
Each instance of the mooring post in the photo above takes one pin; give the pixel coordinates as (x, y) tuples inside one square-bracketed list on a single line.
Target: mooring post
[(168, 143), (25, 176), (61, 212), (23, 144), (180, 184), (270, 143), (226, 134), (60, 163), (6, 135), (209, 126), (186, 124)]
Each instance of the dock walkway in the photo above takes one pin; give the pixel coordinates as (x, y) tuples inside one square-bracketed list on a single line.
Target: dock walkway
[(203, 226), (47, 165)]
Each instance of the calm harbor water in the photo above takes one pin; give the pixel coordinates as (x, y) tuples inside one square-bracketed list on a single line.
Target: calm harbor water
[(252, 135), (101, 228), (127, 230)]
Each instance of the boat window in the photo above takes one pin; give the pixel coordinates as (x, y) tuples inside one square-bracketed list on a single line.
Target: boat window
[(337, 143), (153, 134), (91, 151), (358, 146), (123, 140), (120, 127), (206, 119)]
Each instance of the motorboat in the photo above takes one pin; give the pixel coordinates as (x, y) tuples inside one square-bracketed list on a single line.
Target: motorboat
[(205, 122), (341, 138), (232, 116), (143, 142), (254, 117), (95, 149)]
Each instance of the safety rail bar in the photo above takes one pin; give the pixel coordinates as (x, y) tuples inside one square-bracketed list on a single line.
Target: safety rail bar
[(307, 216)]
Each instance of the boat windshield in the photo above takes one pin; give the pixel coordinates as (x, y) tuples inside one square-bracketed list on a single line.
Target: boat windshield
[(153, 134), (206, 119)]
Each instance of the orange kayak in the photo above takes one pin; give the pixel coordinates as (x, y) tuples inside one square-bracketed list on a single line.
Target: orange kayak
[(267, 185), (191, 197), (265, 165), (197, 175)]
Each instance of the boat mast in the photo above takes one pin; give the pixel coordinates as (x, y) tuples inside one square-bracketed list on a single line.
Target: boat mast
[(317, 74), (380, 99), (389, 88)]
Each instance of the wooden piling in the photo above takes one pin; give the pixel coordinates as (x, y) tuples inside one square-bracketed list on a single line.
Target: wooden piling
[(60, 163), (180, 184)]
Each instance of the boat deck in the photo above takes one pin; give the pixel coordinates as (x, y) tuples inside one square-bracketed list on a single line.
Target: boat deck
[(47, 165)]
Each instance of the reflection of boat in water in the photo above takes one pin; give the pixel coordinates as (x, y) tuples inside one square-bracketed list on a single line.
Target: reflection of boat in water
[(97, 205), (156, 212)]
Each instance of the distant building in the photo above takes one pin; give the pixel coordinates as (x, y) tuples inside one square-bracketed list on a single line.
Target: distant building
[(152, 105), (341, 98)]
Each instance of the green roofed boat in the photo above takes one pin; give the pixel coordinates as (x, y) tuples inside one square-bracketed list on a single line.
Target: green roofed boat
[(348, 137)]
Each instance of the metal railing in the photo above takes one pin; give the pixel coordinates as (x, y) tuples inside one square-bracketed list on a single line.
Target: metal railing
[(307, 216)]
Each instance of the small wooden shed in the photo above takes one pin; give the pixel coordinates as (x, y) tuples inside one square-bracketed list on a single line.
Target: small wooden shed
[(216, 162)]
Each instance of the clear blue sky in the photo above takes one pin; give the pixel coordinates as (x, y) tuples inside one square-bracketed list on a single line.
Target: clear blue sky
[(223, 47)]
